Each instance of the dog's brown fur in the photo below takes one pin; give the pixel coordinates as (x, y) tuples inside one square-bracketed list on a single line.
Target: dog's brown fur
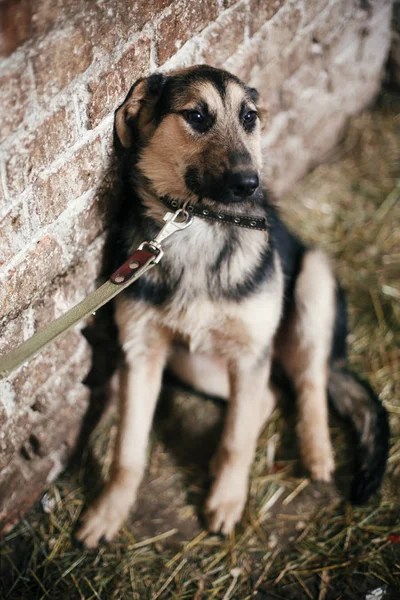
[(244, 330)]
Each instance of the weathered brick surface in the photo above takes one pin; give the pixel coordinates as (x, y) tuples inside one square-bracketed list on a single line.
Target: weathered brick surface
[(23, 283), (261, 12), (70, 289), (32, 153), (184, 20), (12, 334), (278, 34), (221, 41), (109, 91), (66, 66), (20, 285), (31, 377), (14, 232), (15, 24), (80, 174), (3, 202), (48, 439), (64, 57), (16, 98), (31, 388), (108, 24), (333, 20)]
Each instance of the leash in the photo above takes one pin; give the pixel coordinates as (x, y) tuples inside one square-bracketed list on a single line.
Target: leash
[(147, 256)]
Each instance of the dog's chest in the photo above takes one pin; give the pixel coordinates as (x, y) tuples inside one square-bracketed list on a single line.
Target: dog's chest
[(207, 261), (202, 311), (207, 326), (203, 269)]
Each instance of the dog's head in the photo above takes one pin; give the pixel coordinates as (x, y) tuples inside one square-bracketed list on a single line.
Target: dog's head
[(193, 133)]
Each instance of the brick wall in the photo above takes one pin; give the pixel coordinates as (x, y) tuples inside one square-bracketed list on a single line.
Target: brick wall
[(65, 66)]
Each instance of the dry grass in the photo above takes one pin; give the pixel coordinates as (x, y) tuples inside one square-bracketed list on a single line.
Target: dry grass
[(297, 539)]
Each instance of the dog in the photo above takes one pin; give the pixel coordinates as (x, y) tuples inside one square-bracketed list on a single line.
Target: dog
[(234, 291)]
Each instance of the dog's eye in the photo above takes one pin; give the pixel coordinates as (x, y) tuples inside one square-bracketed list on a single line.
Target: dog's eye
[(249, 117), (194, 117)]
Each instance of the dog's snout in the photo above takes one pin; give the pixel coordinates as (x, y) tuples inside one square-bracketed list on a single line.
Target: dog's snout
[(243, 183)]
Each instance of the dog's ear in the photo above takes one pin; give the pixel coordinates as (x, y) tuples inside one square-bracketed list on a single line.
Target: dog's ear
[(133, 118)]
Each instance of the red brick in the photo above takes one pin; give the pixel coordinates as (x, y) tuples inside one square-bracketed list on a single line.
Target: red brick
[(71, 289), (269, 82), (14, 233), (243, 65), (330, 23), (68, 416), (147, 10), (2, 197), (29, 280), (106, 24), (112, 87), (25, 282), (23, 20), (47, 13), (223, 38), (300, 51), (55, 435), (269, 75), (18, 171), (15, 24), (78, 175), (19, 491), (262, 11), (51, 137), (312, 9), (36, 372), (278, 34), (15, 99), (102, 24), (36, 384), (11, 335), (64, 56), (86, 225), (186, 19)]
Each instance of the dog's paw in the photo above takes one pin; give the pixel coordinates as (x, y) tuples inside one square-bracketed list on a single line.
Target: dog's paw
[(104, 517), (225, 504), (322, 471), (321, 467)]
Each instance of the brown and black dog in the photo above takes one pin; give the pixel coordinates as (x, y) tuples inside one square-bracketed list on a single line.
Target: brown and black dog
[(234, 298)]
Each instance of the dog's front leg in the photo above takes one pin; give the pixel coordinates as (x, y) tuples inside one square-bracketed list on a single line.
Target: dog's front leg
[(250, 404), (145, 347)]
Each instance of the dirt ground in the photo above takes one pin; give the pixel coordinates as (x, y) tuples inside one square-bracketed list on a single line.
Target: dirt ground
[(297, 539)]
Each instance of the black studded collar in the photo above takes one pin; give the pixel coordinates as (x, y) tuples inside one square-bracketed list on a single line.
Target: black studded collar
[(204, 212)]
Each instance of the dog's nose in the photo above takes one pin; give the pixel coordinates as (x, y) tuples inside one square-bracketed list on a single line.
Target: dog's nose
[(243, 183)]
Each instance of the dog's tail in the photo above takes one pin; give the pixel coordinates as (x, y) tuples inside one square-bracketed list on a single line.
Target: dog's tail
[(356, 402)]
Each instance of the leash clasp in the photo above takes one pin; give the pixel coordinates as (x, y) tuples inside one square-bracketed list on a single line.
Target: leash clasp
[(150, 253), (172, 225)]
